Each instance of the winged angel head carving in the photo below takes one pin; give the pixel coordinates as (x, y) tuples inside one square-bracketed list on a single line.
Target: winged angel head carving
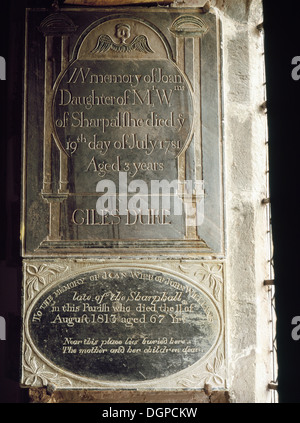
[(139, 43)]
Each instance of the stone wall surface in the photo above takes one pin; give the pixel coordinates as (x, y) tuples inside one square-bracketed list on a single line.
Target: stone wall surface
[(246, 186)]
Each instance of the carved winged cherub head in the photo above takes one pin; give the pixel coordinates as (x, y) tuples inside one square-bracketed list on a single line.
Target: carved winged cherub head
[(123, 32)]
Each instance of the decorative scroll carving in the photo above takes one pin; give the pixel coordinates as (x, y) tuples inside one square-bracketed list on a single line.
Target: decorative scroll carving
[(211, 374), (210, 274), (213, 370), (40, 276), (37, 374)]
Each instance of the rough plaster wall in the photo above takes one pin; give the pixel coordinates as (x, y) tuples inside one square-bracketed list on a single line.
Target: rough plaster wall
[(246, 187), (248, 325)]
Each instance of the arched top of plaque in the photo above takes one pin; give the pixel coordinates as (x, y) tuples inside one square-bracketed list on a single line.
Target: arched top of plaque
[(122, 37), (128, 45)]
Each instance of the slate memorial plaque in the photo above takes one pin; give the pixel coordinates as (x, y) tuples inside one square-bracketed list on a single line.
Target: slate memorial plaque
[(122, 169), (122, 148), (125, 325)]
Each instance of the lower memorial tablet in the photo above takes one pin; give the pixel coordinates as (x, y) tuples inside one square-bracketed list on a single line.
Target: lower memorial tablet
[(122, 325)]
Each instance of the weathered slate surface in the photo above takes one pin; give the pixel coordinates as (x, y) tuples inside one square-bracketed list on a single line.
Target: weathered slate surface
[(122, 147), (121, 326)]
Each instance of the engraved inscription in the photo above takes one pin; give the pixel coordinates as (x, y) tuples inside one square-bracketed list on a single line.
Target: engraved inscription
[(149, 111), (121, 124), (124, 324)]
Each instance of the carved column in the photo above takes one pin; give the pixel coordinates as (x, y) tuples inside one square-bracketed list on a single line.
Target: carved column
[(191, 28), (55, 26)]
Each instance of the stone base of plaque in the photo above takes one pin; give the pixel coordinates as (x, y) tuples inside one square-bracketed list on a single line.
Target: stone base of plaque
[(40, 395), (111, 246)]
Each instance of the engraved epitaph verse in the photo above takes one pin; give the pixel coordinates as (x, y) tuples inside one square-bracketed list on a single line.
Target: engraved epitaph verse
[(126, 325)]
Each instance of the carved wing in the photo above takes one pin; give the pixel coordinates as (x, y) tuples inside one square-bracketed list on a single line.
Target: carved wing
[(104, 43), (140, 43), (120, 48)]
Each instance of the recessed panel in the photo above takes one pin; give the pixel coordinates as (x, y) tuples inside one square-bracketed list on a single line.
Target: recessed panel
[(122, 141), (123, 325)]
